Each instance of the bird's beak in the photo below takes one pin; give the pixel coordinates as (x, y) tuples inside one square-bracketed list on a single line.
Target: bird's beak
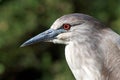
[(47, 35)]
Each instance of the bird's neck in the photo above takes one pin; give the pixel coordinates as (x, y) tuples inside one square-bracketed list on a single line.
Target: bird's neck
[(83, 62)]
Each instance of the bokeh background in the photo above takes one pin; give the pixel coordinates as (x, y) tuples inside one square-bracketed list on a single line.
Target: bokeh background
[(23, 19)]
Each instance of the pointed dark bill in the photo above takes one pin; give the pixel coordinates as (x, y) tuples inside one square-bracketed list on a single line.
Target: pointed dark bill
[(47, 35)]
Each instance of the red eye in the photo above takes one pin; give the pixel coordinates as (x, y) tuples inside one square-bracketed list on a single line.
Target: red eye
[(66, 26)]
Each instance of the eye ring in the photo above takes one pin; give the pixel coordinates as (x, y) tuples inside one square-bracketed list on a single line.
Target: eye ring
[(66, 26)]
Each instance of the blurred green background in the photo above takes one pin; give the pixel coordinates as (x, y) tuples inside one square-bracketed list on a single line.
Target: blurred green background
[(23, 19)]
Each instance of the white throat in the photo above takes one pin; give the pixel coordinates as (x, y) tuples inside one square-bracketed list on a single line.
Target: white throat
[(82, 63)]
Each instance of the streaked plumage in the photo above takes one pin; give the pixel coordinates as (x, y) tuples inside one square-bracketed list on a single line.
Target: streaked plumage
[(92, 50)]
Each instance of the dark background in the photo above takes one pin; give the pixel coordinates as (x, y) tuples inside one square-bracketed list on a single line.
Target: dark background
[(23, 19)]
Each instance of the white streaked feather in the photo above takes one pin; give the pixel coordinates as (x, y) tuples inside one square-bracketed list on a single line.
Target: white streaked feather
[(82, 66)]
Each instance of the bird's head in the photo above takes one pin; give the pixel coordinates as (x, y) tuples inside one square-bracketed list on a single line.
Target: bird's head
[(67, 28)]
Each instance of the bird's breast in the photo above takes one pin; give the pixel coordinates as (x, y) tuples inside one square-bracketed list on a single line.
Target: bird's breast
[(80, 62)]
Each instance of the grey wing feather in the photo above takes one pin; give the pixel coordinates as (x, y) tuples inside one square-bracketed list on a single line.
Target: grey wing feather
[(112, 55)]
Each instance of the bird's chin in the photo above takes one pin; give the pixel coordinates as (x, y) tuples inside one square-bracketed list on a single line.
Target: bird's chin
[(57, 41)]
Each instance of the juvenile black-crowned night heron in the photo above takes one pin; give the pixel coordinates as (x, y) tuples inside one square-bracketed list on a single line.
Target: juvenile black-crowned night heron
[(92, 50)]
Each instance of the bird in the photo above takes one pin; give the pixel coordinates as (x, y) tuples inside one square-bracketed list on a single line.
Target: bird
[(92, 49)]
